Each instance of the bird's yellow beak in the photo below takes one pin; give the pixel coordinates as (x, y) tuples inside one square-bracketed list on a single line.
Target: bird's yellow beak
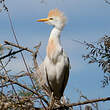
[(43, 20)]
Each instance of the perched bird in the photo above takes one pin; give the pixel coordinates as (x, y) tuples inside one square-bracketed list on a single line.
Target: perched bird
[(55, 67)]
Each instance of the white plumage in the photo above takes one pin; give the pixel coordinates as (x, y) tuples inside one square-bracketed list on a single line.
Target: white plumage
[(55, 68)]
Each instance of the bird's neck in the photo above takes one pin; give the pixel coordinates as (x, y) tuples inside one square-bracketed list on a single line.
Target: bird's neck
[(54, 42), (55, 35)]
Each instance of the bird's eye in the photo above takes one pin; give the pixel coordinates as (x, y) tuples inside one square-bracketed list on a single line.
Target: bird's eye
[(51, 18)]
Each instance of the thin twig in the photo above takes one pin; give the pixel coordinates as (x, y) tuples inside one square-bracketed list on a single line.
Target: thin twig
[(10, 54), (9, 79), (6, 63), (18, 46)]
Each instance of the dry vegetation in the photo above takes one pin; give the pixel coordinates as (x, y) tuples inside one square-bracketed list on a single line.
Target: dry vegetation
[(18, 95)]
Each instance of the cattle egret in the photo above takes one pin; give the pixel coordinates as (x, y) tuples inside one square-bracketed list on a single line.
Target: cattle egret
[(55, 67)]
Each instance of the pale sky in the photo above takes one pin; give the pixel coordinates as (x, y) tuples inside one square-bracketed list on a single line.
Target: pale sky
[(86, 20)]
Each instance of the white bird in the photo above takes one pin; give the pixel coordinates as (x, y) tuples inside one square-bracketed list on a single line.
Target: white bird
[(55, 67)]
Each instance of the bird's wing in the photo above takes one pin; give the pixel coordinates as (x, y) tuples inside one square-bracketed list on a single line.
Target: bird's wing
[(40, 75), (66, 76), (48, 82)]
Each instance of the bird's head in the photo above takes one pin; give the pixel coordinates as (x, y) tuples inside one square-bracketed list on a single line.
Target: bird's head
[(55, 18)]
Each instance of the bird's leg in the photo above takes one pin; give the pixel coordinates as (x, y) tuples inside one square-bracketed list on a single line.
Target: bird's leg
[(52, 100)]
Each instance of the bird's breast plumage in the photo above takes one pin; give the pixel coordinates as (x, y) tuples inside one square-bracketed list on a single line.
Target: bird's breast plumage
[(51, 48), (54, 50)]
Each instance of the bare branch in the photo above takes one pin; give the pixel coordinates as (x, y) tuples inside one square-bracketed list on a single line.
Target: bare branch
[(84, 102), (25, 87), (18, 46), (11, 53)]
